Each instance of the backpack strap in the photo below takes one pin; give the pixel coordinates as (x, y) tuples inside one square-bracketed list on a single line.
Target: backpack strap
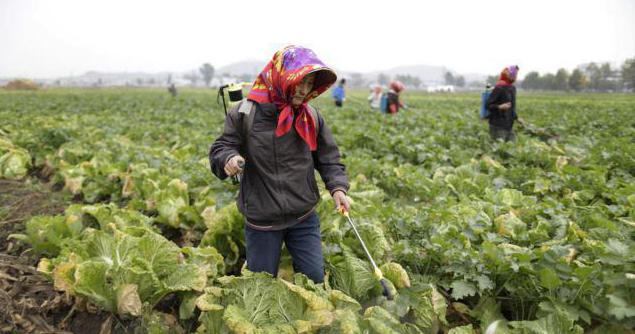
[(247, 109), (314, 113)]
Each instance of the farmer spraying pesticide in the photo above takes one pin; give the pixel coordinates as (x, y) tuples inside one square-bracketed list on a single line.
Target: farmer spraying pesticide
[(393, 102), (277, 140), (501, 105)]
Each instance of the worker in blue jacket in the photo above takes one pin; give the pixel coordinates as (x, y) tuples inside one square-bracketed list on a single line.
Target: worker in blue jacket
[(339, 95)]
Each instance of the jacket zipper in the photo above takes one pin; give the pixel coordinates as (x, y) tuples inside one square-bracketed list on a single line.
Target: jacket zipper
[(277, 176)]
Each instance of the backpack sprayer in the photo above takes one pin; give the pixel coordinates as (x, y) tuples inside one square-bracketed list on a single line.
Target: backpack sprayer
[(235, 91)]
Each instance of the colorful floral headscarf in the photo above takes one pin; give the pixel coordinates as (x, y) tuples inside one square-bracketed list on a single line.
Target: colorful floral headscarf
[(277, 83)]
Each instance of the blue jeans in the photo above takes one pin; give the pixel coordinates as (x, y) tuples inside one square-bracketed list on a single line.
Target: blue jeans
[(302, 240)]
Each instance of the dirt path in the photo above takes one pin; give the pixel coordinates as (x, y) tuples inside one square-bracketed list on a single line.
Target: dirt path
[(28, 302), (20, 201)]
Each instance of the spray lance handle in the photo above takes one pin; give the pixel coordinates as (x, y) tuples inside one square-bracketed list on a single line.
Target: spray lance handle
[(236, 178)]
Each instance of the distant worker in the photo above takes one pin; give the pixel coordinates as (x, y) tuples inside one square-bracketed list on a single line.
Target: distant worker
[(375, 97), (172, 90), (394, 103), (501, 105), (339, 95)]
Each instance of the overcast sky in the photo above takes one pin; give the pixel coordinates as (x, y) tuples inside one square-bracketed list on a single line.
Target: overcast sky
[(63, 37)]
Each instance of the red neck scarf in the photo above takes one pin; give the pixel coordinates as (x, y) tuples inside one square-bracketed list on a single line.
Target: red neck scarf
[(277, 84)]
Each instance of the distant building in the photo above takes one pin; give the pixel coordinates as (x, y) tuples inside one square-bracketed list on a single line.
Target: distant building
[(440, 89)]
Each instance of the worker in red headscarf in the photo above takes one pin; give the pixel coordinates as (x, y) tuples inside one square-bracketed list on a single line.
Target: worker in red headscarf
[(394, 103), (502, 105)]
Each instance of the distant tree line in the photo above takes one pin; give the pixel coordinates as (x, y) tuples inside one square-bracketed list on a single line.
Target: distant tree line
[(205, 73), (590, 77), (452, 80), (357, 79), (409, 80)]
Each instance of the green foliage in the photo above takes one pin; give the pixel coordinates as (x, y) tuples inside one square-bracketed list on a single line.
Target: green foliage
[(534, 236), (225, 233), (14, 161), (396, 274), (120, 272), (352, 275), (258, 303), (114, 259), (47, 234)]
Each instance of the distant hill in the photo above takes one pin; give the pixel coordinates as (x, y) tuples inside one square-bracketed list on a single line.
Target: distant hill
[(251, 67), (246, 70), (428, 74), (97, 78), (131, 76), (431, 75)]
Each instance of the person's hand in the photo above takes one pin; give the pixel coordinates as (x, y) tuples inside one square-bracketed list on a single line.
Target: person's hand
[(341, 201), (234, 165), (505, 106)]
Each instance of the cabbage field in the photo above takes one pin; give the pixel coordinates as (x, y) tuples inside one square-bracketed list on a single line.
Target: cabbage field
[(111, 221)]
